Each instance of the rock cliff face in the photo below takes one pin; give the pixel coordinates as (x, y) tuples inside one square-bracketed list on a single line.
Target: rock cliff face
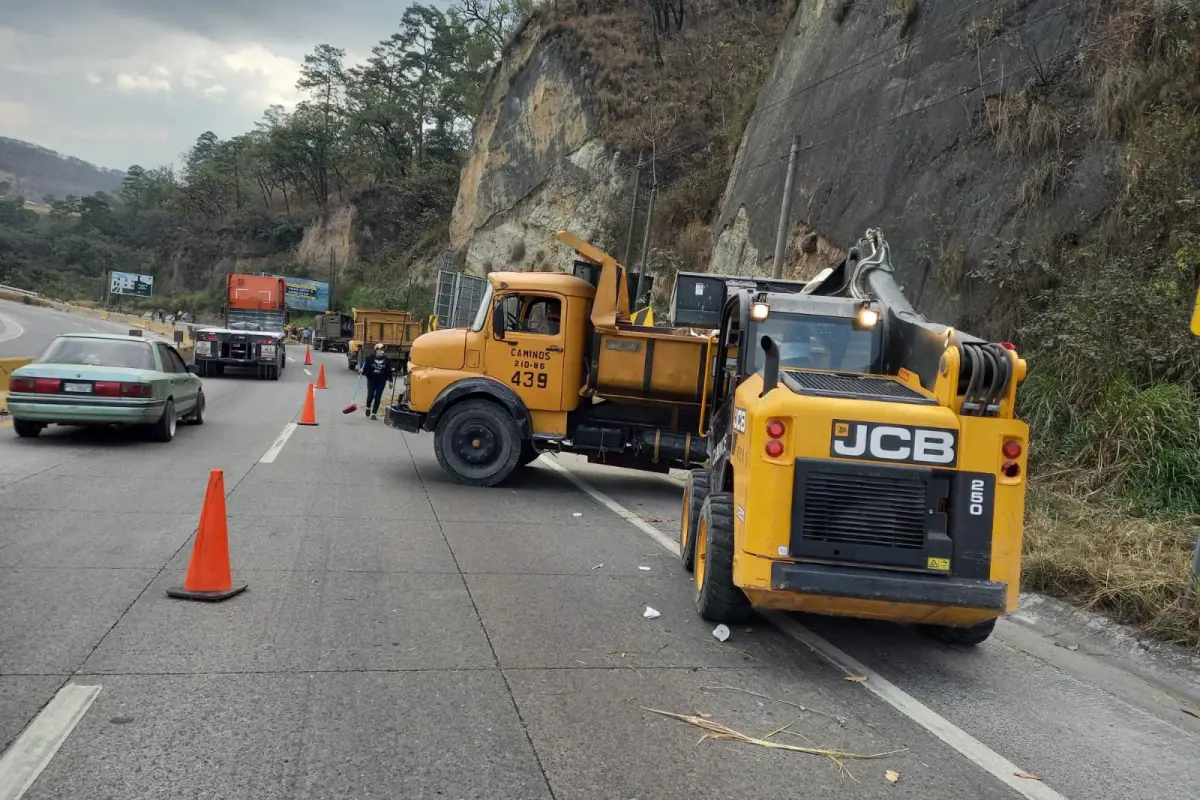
[(922, 117), (536, 165)]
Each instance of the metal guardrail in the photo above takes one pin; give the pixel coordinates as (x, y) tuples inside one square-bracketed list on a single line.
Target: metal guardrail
[(15, 290)]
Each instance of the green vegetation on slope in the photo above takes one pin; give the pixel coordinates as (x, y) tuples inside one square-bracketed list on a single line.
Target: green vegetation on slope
[(1114, 369)]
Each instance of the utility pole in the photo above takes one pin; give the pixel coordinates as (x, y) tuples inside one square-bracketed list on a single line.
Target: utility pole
[(332, 275), (637, 184), (785, 210), (646, 232), (641, 283)]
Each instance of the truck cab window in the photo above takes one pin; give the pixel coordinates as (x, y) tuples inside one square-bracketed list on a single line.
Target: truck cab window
[(534, 314)]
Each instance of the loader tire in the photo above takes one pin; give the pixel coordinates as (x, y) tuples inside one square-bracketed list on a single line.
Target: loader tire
[(477, 443), (962, 637), (694, 492), (717, 598)]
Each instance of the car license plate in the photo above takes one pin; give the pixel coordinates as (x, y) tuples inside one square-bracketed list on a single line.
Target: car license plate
[(203, 348), (268, 351), (77, 388)]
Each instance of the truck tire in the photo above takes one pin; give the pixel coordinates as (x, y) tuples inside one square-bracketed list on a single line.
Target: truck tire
[(717, 598), (695, 490), (528, 454), (477, 443), (963, 637)]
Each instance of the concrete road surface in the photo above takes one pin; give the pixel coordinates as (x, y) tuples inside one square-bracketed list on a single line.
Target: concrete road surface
[(26, 330), (404, 637)]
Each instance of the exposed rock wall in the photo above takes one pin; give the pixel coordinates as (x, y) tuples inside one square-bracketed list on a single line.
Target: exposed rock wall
[(536, 165), (951, 126)]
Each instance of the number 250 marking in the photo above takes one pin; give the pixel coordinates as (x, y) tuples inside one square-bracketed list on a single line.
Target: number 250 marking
[(526, 379)]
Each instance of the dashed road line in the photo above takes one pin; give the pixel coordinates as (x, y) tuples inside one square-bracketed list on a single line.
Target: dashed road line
[(306, 372), (276, 446), (24, 761), (966, 745)]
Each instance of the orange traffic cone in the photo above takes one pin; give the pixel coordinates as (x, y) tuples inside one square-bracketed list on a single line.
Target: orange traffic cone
[(208, 576), (321, 378), (307, 356), (309, 415)]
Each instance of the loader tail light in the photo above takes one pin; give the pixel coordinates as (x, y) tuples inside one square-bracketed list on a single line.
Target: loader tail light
[(1011, 450), (776, 429), (1011, 469)]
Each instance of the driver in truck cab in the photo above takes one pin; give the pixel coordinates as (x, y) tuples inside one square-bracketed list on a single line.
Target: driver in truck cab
[(378, 371)]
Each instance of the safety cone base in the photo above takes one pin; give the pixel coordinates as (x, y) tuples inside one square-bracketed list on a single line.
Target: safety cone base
[(302, 422), (210, 597)]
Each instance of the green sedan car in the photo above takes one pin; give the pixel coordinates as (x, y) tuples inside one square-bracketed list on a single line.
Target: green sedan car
[(97, 379)]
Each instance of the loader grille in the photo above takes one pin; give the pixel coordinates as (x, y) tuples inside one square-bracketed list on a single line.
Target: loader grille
[(868, 387), (864, 510)]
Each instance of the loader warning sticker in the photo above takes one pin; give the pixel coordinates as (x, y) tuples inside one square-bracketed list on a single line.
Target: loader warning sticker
[(940, 564)]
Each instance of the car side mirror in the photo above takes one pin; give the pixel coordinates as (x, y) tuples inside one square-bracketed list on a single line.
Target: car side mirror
[(193, 368), (498, 329)]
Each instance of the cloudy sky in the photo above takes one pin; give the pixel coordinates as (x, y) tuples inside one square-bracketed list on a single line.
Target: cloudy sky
[(121, 82)]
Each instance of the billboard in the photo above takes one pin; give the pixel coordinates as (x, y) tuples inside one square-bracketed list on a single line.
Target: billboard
[(130, 283), (303, 294)]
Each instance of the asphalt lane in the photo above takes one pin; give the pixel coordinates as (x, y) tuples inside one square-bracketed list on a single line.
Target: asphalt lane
[(26, 330), (406, 637)]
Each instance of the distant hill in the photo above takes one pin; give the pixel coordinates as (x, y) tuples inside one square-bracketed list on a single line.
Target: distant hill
[(36, 172)]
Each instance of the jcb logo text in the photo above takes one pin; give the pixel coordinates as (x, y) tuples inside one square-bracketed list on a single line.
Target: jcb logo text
[(897, 443)]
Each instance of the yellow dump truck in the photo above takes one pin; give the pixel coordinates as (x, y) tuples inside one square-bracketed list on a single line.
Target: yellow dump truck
[(396, 329), (551, 364)]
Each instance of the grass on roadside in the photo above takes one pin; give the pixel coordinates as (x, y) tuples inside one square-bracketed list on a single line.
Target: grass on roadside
[(1104, 559)]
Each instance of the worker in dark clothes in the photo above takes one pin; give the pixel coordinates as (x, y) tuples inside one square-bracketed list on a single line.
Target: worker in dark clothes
[(378, 371)]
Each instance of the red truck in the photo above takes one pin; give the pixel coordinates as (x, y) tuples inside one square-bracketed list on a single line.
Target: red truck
[(253, 333)]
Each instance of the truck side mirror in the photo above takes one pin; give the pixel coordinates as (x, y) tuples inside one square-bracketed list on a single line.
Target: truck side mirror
[(498, 329), (771, 366)]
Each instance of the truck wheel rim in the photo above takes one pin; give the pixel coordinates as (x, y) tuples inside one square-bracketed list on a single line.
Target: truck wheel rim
[(701, 553), (476, 444)]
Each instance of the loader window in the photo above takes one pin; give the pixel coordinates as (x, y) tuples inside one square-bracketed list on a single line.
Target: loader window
[(825, 343)]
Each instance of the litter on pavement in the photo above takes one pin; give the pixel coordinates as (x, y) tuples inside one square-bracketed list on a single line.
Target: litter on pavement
[(651, 613), (721, 632)]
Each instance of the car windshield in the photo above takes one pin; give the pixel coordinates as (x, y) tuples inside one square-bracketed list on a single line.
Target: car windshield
[(98, 353), (812, 342), (485, 305)]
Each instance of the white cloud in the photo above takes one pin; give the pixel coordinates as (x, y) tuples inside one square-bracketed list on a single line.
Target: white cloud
[(93, 79), (127, 82), (216, 90)]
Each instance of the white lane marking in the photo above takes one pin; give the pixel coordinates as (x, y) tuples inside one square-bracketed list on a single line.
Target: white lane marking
[(12, 329), (289, 358), (306, 372), (32, 751), (277, 445), (970, 747), (966, 744), (613, 506)]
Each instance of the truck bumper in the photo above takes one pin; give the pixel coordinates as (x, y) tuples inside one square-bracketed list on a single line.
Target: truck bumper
[(891, 587), (403, 418)]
